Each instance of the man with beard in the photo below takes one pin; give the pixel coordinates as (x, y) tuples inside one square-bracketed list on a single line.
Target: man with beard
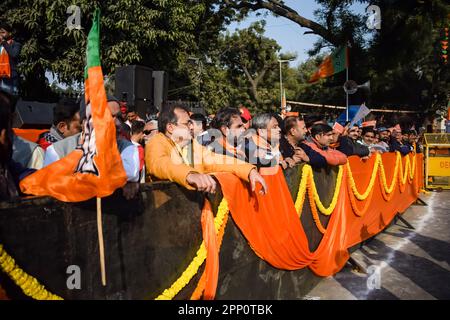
[(262, 147), (293, 146), (383, 144), (396, 143), (322, 136), (227, 129), (174, 155), (350, 146)]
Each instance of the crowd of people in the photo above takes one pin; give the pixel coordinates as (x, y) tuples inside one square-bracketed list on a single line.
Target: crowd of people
[(186, 148)]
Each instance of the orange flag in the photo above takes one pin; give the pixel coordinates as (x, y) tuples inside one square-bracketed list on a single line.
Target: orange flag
[(95, 168)]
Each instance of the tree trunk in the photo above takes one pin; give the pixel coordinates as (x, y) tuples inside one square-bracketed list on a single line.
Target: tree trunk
[(254, 82)]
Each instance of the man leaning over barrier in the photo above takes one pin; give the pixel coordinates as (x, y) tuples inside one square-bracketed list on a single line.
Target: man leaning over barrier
[(174, 155)]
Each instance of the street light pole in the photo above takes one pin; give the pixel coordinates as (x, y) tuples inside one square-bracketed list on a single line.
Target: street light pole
[(281, 88)]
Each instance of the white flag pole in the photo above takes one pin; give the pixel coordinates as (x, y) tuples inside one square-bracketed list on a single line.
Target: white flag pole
[(100, 241)]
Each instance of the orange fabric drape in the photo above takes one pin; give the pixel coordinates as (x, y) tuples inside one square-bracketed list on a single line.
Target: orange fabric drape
[(29, 134), (274, 231), (212, 256)]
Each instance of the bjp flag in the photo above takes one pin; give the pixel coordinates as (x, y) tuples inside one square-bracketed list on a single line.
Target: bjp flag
[(95, 168), (334, 63)]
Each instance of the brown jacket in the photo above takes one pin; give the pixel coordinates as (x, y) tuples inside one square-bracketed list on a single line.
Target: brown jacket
[(164, 162)]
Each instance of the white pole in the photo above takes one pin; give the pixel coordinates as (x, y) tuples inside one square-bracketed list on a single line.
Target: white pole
[(346, 107)]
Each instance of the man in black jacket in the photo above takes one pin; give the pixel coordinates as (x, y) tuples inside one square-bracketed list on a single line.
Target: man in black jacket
[(9, 54), (350, 146), (292, 147), (396, 143)]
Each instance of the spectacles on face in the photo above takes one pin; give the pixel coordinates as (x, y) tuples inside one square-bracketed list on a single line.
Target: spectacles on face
[(147, 132), (187, 124)]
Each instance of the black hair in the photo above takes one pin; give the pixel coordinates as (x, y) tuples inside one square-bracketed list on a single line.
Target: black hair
[(223, 117), (278, 118), (137, 126), (367, 129), (320, 128), (5, 26), (65, 110), (288, 124), (168, 115), (311, 118), (198, 117)]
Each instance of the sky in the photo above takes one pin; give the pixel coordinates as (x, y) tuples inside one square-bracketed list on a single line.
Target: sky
[(288, 34)]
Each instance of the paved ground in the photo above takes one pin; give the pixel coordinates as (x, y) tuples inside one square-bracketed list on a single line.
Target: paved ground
[(401, 263)]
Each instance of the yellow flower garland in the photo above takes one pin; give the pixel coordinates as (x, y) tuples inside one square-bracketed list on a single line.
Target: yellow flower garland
[(29, 285), (32, 288), (398, 163), (373, 177), (302, 189), (320, 206), (192, 269)]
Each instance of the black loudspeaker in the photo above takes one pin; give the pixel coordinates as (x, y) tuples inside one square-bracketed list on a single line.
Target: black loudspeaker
[(33, 115), (134, 84), (160, 88)]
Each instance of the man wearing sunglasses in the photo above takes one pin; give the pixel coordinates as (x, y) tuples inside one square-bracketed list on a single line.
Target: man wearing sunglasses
[(150, 130), (174, 155)]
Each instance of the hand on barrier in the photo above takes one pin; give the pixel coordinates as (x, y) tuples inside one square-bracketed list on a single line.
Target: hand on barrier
[(255, 177), (202, 182)]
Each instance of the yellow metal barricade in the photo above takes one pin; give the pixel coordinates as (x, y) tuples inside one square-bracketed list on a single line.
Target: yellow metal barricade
[(437, 160)]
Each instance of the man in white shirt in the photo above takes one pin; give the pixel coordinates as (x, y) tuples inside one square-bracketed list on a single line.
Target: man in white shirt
[(128, 151)]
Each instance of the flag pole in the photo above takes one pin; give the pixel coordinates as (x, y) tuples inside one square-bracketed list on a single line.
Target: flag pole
[(100, 240), (347, 60)]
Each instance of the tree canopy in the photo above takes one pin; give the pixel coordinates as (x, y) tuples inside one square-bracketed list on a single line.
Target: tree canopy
[(187, 39)]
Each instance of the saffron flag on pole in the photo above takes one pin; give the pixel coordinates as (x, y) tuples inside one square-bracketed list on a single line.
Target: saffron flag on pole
[(334, 63), (95, 168)]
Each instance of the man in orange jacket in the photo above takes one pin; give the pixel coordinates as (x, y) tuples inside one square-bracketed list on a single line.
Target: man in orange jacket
[(174, 155), (322, 136)]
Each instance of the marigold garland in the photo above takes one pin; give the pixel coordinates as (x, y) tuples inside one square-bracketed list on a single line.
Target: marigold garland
[(373, 177), (29, 285), (388, 190), (192, 269), (312, 204), (337, 189), (302, 190), (32, 288)]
